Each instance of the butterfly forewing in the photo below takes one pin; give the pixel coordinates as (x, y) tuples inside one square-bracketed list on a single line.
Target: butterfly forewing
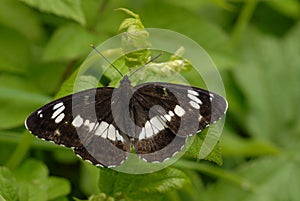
[(84, 122), (46, 123)]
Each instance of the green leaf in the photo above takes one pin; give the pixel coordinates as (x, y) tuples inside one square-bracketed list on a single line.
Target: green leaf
[(211, 37), (161, 182), (289, 8), (210, 142), (25, 173), (33, 181), (215, 155), (64, 156), (197, 5), (129, 12), (8, 185), (83, 82), (136, 37), (35, 184), (272, 176), (68, 42), (57, 187), (107, 180), (61, 199), (101, 197), (205, 146), (17, 99), (98, 197), (131, 24), (144, 187), (89, 177), (266, 59), (65, 8), (14, 45), (40, 71), (269, 78), (236, 146), (21, 13)]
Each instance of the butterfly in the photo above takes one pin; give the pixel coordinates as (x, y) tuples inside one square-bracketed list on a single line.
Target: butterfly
[(103, 125)]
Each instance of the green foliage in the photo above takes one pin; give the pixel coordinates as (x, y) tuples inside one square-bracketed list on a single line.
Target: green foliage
[(140, 187), (30, 181), (19, 99), (204, 146), (8, 185), (64, 8), (255, 45), (68, 49)]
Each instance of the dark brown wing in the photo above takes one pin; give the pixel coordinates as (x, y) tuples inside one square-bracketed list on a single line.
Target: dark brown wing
[(168, 113), (86, 125)]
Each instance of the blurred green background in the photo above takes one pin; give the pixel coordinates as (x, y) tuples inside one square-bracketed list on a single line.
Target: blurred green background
[(256, 47)]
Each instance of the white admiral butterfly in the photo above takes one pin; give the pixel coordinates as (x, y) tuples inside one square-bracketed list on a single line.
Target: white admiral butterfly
[(103, 124)]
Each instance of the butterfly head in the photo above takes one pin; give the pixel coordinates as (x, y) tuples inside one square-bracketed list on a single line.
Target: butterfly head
[(125, 81)]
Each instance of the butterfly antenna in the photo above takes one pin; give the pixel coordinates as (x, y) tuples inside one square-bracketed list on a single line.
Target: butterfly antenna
[(151, 60), (92, 46)]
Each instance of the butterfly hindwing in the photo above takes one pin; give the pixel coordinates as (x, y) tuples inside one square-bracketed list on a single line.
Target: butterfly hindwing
[(160, 147), (168, 114)]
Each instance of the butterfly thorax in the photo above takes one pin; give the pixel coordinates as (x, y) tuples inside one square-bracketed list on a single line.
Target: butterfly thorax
[(120, 106)]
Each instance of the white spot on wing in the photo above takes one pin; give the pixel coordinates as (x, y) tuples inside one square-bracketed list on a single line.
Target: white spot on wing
[(89, 161), (86, 122), (101, 128), (57, 132), (194, 98), (148, 129), (171, 113), (59, 118), (58, 111), (142, 134), (91, 126), (58, 105), (200, 117), (111, 132), (167, 117), (119, 137), (165, 91), (157, 123), (78, 121), (194, 105), (179, 111), (154, 129), (195, 93)]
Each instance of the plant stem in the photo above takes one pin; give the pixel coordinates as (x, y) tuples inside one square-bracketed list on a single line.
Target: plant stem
[(217, 172), (243, 20)]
